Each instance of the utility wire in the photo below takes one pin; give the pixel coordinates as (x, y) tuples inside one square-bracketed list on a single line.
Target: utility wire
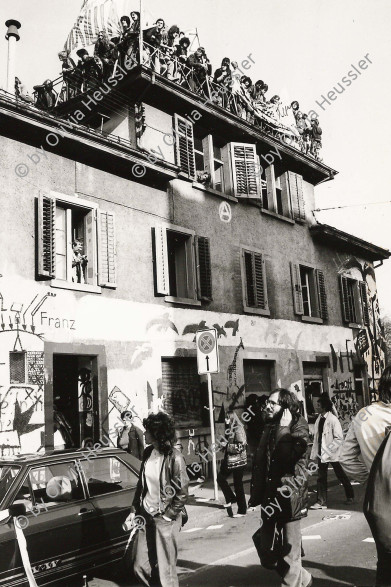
[(352, 206)]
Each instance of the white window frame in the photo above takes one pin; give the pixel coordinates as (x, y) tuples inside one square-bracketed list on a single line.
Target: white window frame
[(75, 201)]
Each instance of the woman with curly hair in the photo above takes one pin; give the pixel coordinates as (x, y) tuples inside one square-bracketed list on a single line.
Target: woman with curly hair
[(160, 497)]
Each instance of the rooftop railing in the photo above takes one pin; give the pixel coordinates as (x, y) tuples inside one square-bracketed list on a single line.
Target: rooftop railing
[(233, 97)]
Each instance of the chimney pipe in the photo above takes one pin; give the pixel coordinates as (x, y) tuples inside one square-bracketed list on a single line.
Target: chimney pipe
[(12, 36)]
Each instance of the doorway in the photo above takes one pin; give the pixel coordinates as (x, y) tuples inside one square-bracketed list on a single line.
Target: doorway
[(75, 401)]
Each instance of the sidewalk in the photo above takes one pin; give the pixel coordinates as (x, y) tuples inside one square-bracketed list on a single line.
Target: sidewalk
[(210, 511)]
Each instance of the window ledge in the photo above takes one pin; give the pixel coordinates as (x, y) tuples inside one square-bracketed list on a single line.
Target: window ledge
[(278, 216), (354, 325), (260, 311), (75, 286), (209, 190), (182, 301), (312, 319)]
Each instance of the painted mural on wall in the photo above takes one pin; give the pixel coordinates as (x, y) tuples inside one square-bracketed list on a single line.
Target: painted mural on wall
[(21, 375), (369, 342)]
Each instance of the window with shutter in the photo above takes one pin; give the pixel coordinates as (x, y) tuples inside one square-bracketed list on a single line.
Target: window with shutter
[(350, 298), (323, 310), (70, 232), (46, 237), (175, 265), (254, 282), (106, 249), (184, 146), (296, 289), (364, 302), (204, 273), (295, 183), (245, 171)]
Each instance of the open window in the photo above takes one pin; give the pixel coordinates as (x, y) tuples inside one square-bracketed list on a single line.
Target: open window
[(283, 194), (309, 293), (354, 298), (254, 286), (182, 265), (76, 243)]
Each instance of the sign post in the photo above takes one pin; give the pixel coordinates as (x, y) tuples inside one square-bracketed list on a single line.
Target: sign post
[(208, 362)]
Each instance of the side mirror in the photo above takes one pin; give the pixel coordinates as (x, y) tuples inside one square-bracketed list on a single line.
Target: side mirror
[(17, 509)]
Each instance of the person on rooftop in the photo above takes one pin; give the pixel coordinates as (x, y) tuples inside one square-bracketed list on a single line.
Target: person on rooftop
[(169, 46), (45, 95), (246, 90), (153, 38), (200, 67), (125, 38), (222, 78), (70, 74), (315, 138), (90, 70), (104, 50)]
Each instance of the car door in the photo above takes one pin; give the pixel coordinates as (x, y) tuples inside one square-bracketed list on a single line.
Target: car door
[(111, 484), (58, 525)]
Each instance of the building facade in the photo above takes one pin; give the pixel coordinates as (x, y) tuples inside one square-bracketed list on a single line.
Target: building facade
[(187, 217)]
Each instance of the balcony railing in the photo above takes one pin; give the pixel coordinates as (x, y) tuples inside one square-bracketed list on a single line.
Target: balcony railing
[(235, 99)]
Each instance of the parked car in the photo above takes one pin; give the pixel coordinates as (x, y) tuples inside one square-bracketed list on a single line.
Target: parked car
[(71, 506)]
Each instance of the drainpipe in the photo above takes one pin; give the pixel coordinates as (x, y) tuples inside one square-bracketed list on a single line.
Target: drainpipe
[(12, 36)]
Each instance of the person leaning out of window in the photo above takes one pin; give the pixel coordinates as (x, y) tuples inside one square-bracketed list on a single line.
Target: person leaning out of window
[(160, 497), (328, 434)]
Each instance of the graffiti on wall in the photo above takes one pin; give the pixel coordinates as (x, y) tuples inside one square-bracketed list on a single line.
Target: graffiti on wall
[(22, 375)]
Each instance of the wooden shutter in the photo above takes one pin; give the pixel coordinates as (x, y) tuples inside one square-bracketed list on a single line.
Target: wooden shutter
[(346, 313), (204, 273), (322, 296), (184, 146), (161, 261), (364, 302), (207, 145), (295, 183), (270, 187), (255, 280), (296, 289), (46, 237), (106, 249), (245, 171)]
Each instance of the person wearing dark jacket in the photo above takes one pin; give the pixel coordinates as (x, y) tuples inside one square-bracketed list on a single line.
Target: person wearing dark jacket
[(161, 494), (280, 486), (130, 438)]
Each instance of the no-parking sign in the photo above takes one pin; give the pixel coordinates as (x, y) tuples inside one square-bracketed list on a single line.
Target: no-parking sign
[(207, 351)]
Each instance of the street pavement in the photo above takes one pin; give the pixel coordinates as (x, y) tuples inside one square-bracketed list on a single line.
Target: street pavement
[(217, 551)]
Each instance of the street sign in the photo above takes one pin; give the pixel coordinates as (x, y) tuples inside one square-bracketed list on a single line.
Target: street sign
[(207, 351)]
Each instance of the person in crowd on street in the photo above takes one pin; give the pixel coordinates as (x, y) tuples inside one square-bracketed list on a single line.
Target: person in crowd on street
[(280, 456), (234, 461), (161, 494), (366, 433), (254, 426), (90, 70), (328, 432), (130, 437), (79, 262), (315, 138), (200, 69), (105, 51), (45, 95)]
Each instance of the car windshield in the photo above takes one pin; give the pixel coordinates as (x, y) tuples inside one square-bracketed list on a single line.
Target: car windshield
[(8, 474)]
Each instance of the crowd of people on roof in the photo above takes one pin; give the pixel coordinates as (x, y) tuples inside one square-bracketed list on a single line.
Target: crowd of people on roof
[(167, 51)]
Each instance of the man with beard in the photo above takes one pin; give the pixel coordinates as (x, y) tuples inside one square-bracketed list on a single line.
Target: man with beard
[(280, 486)]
